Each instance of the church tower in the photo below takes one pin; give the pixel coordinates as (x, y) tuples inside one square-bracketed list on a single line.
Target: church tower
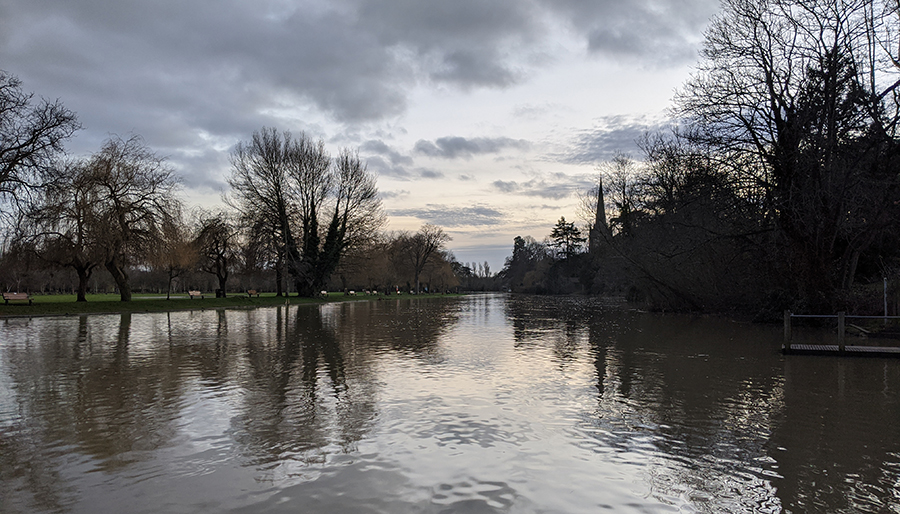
[(600, 231)]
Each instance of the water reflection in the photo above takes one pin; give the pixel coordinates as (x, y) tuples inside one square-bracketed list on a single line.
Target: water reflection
[(107, 393), (667, 392), (731, 426), (89, 395), (489, 403), (847, 457)]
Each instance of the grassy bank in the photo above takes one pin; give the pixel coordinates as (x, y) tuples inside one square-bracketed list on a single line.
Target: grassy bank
[(62, 305)]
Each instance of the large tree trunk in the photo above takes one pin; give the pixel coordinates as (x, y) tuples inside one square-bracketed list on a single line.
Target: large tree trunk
[(307, 289), (120, 277), (84, 275), (169, 286), (223, 279), (279, 278)]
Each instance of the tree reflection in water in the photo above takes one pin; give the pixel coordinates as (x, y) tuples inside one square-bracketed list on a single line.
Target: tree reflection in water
[(114, 391), (489, 402), (731, 425), (85, 394)]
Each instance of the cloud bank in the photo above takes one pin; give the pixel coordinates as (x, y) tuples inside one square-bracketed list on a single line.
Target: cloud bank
[(451, 216), (462, 148), (193, 78)]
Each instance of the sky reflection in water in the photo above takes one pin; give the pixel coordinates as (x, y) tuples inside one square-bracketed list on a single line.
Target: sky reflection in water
[(487, 403)]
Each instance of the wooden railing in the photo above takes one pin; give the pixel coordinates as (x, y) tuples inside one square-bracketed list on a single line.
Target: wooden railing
[(841, 347)]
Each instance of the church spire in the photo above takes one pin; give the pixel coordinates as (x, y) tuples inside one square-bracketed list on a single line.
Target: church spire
[(600, 231)]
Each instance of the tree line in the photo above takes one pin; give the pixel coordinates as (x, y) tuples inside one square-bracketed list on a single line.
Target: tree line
[(296, 218), (780, 185)]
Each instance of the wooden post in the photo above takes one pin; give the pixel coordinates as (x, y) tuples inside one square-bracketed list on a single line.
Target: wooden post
[(787, 331), (841, 331)]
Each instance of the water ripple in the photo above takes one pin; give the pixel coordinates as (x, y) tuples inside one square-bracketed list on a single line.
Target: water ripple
[(490, 403)]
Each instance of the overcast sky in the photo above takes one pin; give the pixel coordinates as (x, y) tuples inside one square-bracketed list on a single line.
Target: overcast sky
[(485, 117)]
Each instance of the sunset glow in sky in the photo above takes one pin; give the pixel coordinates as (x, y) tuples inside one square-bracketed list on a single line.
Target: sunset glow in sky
[(485, 117)]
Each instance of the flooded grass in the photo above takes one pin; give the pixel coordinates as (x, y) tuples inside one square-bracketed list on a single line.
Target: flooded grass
[(65, 304)]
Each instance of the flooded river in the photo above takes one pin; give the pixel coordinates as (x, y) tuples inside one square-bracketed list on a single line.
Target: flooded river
[(477, 404)]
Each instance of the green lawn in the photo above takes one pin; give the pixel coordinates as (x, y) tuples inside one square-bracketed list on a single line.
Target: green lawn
[(63, 304)]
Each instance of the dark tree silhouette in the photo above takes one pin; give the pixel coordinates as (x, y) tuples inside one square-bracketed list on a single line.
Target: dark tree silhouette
[(64, 224), (218, 246), (567, 238), (416, 249), (316, 207), (134, 191), (798, 102), (30, 136)]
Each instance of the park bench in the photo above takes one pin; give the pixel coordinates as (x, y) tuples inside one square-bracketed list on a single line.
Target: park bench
[(17, 297), (252, 292), (192, 294)]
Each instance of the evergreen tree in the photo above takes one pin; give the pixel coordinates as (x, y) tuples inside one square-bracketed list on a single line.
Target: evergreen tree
[(567, 238)]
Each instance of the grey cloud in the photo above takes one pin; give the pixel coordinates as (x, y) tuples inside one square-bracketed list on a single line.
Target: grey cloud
[(553, 187), (663, 48), (659, 31), (381, 148), (385, 168), (463, 42), (203, 169), (233, 61), (170, 68), (506, 186), (610, 136), (196, 76), (392, 195), (460, 147), (447, 216), (475, 68), (534, 112), (430, 25), (431, 174)]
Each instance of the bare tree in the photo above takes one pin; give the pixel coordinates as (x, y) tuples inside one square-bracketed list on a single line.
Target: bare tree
[(261, 249), (30, 136), (799, 101), (217, 245), (262, 189), (64, 223), (356, 214), (439, 274), (416, 249), (261, 192), (175, 252), (293, 184), (134, 191), (309, 167), (371, 264)]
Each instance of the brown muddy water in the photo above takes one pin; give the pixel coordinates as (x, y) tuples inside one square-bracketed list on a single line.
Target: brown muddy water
[(493, 403)]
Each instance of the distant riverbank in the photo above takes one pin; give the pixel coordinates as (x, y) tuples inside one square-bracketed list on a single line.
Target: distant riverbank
[(65, 305)]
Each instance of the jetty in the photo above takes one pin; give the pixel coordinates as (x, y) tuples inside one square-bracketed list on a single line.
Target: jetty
[(841, 348)]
